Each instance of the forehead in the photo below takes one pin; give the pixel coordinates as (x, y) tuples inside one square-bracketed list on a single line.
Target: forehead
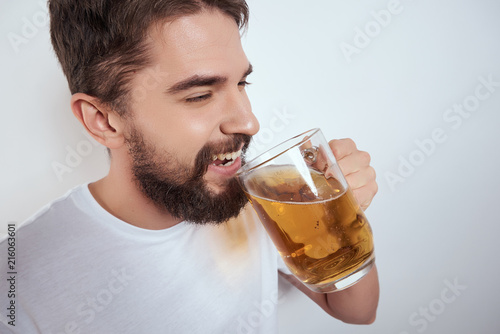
[(204, 43)]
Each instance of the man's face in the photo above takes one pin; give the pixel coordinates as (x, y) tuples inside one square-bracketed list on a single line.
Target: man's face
[(188, 108)]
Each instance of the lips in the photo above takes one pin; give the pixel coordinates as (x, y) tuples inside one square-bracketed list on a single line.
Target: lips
[(221, 162), (225, 159), (225, 164)]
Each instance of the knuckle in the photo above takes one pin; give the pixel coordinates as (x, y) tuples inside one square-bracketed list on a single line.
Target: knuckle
[(333, 142), (349, 143), (365, 157), (375, 188), (372, 173), (334, 146)]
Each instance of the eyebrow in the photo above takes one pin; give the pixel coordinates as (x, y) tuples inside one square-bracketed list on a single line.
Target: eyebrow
[(200, 81)]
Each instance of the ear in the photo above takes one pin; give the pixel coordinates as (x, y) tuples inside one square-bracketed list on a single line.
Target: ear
[(104, 125)]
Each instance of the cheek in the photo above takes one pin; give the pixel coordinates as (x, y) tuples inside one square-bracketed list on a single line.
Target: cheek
[(193, 134), (177, 128), (182, 133)]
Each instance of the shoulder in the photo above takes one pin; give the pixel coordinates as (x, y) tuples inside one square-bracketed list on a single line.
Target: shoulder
[(46, 225), (53, 211)]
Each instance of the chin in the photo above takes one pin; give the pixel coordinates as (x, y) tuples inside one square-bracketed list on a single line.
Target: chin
[(218, 187)]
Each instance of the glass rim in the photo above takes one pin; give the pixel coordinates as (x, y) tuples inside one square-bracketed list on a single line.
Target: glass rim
[(247, 166)]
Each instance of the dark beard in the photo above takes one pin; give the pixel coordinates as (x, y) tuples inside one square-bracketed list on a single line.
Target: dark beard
[(181, 190)]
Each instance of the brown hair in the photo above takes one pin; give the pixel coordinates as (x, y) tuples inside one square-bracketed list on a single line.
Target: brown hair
[(99, 43)]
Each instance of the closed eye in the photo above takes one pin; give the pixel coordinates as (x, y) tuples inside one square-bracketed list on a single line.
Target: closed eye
[(199, 98), (204, 97), (244, 83)]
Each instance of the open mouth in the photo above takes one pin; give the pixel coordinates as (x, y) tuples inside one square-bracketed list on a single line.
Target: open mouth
[(225, 159)]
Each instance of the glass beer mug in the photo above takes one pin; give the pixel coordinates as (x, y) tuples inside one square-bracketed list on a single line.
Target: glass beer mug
[(308, 210)]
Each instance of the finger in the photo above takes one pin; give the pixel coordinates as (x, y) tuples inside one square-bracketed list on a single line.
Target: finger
[(365, 195), (354, 162), (361, 178), (342, 147)]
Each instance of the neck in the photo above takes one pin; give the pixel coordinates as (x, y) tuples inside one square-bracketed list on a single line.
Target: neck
[(118, 194)]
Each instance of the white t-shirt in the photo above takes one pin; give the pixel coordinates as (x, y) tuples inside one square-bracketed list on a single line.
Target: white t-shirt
[(82, 270)]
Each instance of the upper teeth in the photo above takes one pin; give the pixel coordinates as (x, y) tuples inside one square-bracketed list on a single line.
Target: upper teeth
[(227, 156)]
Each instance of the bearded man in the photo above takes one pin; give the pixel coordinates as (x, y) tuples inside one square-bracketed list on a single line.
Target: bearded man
[(165, 242)]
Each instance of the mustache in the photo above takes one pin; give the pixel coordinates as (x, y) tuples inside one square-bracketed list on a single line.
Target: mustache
[(204, 156)]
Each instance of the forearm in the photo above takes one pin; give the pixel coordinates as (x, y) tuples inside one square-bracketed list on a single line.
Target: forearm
[(357, 304)]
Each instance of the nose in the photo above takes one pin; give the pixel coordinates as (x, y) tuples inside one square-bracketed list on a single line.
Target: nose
[(239, 117)]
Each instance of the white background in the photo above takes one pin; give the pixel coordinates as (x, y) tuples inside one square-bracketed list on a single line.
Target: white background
[(437, 224)]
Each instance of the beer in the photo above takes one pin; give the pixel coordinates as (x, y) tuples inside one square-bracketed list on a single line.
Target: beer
[(316, 224)]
